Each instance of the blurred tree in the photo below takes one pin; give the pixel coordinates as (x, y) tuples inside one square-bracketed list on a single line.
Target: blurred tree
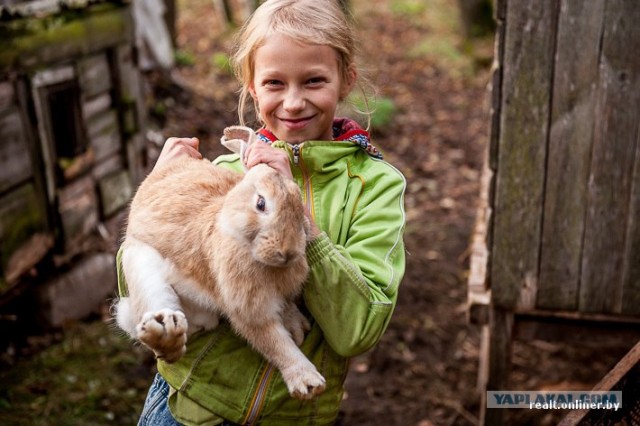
[(171, 17), (476, 17)]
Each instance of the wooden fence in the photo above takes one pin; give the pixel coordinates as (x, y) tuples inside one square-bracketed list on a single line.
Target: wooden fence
[(558, 235)]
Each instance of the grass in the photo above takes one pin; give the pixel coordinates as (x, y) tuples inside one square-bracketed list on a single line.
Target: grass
[(444, 42), (94, 376)]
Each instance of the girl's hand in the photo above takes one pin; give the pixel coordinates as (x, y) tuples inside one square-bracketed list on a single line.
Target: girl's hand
[(262, 153), (178, 147)]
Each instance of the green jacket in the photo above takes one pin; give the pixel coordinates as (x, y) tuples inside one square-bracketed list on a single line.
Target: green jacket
[(356, 265)]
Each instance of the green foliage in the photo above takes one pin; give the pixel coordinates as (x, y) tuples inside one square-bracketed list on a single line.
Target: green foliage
[(380, 110), (184, 58), (159, 109), (221, 62), (445, 52), (408, 7)]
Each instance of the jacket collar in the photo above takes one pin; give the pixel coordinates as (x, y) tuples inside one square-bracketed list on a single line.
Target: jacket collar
[(344, 129)]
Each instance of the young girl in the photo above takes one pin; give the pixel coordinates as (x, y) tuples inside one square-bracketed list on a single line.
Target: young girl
[(295, 60)]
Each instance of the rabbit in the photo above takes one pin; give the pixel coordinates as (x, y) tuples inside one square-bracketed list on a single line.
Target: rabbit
[(203, 242)]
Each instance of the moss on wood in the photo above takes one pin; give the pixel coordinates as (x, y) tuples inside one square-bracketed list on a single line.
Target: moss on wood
[(20, 217), (31, 43)]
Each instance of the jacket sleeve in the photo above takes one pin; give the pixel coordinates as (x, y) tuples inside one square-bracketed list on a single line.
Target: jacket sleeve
[(352, 289)]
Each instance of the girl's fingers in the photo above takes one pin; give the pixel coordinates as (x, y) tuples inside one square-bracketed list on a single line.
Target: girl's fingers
[(178, 147), (265, 154)]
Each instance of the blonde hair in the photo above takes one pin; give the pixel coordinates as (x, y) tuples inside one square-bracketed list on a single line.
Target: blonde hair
[(321, 22)]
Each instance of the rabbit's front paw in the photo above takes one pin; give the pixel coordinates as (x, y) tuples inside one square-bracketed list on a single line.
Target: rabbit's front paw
[(165, 333), (295, 323), (303, 381)]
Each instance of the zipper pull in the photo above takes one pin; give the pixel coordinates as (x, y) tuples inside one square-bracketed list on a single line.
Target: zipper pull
[(296, 153)]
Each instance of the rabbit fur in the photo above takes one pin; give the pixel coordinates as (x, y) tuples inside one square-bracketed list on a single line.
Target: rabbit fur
[(204, 241)]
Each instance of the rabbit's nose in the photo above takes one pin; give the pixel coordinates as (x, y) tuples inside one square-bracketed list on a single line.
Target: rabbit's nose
[(286, 256)]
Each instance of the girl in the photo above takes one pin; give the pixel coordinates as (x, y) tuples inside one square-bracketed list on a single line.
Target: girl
[(295, 60)]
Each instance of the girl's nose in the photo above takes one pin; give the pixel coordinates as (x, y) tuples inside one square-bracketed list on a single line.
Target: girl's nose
[(294, 101)]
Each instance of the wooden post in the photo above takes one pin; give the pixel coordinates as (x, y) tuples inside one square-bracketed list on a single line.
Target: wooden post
[(495, 363)]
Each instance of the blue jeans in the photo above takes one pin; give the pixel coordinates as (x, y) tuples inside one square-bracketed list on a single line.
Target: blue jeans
[(156, 407)]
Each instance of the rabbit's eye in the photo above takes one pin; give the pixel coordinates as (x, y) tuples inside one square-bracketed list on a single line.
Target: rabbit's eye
[(261, 203)]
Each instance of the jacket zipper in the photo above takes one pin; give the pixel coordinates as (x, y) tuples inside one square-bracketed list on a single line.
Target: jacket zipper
[(297, 149), (261, 392), (296, 153), (258, 398)]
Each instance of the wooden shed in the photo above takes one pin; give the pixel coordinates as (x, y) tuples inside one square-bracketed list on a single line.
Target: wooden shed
[(556, 250), (71, 126)]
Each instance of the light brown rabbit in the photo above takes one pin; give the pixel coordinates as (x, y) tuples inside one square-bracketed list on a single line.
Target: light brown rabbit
[(204, 241)]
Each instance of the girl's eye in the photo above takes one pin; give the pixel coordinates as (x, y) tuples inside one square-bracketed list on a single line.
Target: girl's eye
[(273, 83), (315, 81), (261, 203)]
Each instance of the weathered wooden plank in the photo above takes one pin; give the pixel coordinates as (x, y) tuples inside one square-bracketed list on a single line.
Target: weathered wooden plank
[(631, 282), (39, 82), (15, 162), (496, 88), (130, 89), (7, 95), (625, 377), (94, 75), (569, 157), (96, 106), (574, 328), (136, 159), (524, 118), (104, 134), (23, 100), (78, 209), (614, 148), (21, 216), (25, 257), (107, 166), (478, 295), (79, 292), (495, 362), (115, 192)]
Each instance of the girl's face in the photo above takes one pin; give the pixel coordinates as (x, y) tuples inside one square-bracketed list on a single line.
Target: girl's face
[(297, 88)]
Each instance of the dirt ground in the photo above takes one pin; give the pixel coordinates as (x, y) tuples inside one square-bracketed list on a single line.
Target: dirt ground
[(424, 371)]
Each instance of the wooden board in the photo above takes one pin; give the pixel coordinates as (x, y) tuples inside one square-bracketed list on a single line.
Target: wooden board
[(526, 86), (614, 148), (624, 377), (569, 157), (104, 134), (21, 216), (78, 209), (7, 96), (115, 192), (95, 106), (94, 75), (15, 161), (631, 282), (108, 166)]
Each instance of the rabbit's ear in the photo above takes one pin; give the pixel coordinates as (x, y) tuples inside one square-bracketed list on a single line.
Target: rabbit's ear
[(233, 145), (237, 139)]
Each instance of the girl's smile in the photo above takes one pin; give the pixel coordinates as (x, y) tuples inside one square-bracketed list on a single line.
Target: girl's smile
[(297, 88)]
